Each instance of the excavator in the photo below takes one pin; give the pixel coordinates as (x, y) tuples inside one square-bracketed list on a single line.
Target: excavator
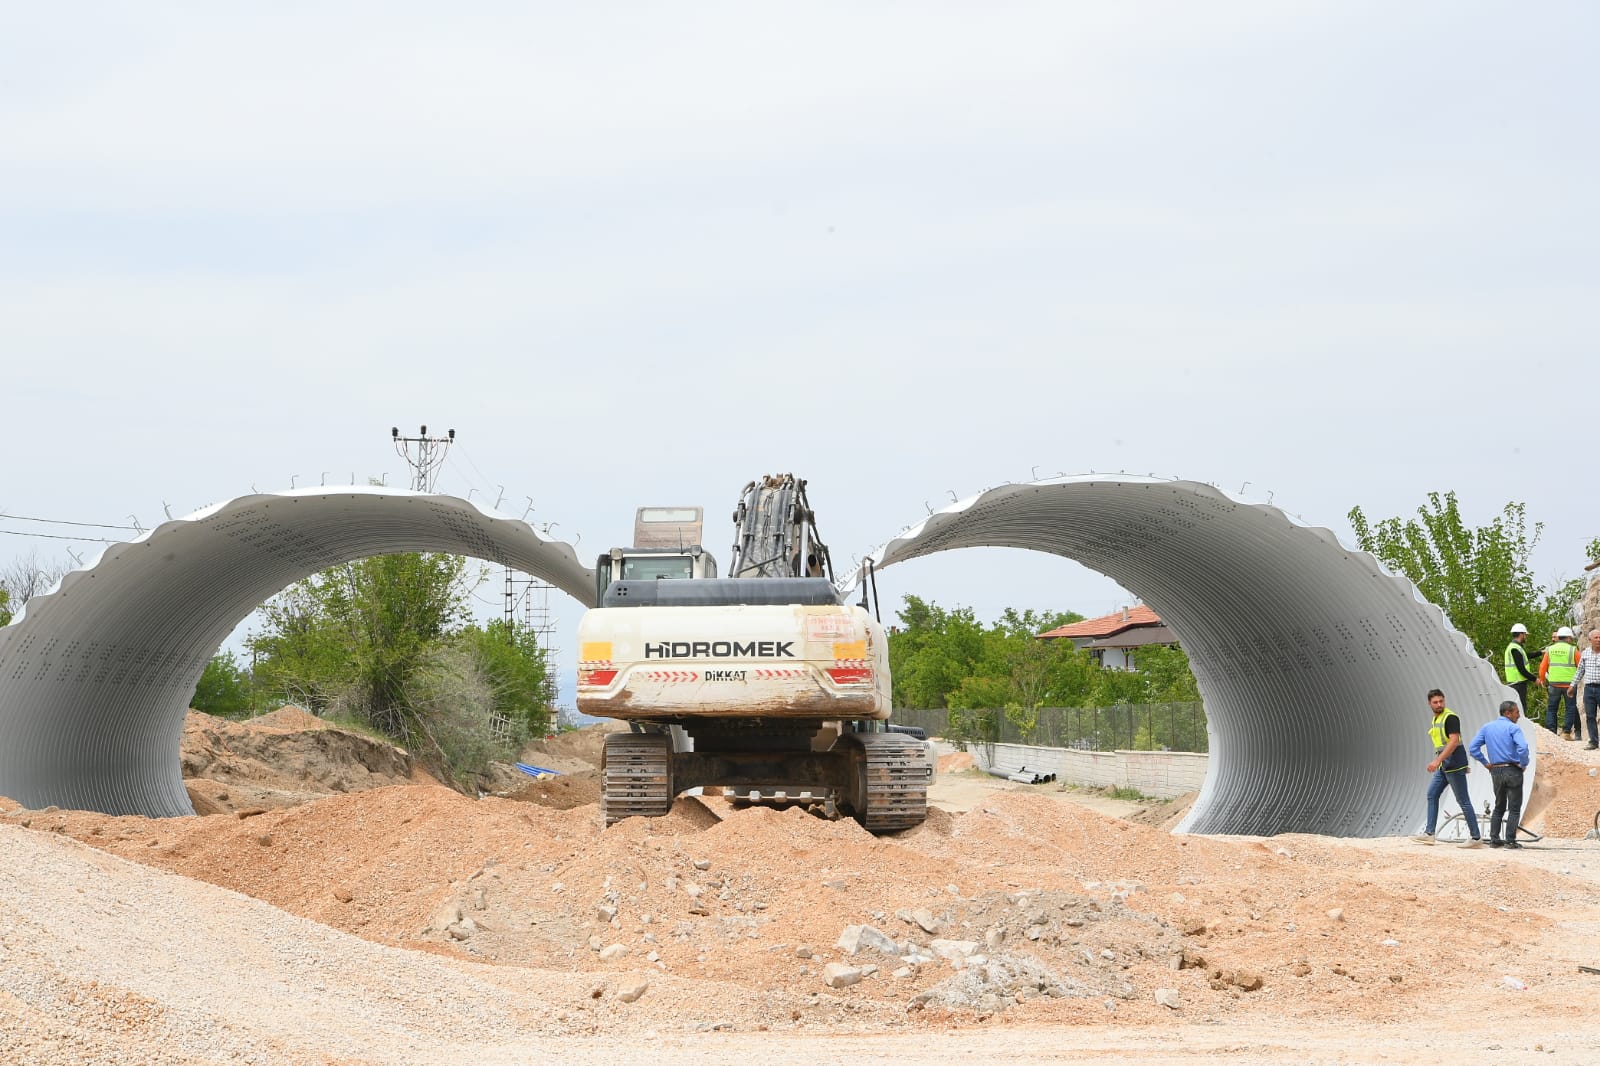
[(762, 684)]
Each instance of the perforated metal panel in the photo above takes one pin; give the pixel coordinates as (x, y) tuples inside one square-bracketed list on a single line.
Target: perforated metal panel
[(1312, 658), (96, 675)]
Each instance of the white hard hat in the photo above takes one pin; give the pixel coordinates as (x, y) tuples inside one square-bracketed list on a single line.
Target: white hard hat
[(1519, 628), (1564, 631)]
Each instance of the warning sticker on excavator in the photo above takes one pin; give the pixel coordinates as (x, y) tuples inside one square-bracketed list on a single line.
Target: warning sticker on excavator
[(823, 626), (849, 649), (595, 651)]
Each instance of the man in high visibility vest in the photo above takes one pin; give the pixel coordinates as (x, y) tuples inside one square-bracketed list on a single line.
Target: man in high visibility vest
[(1449, 769), (1518, 672), (1557, 669)]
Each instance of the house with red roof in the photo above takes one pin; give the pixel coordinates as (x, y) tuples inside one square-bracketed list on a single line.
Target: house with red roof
[(1114, 639)]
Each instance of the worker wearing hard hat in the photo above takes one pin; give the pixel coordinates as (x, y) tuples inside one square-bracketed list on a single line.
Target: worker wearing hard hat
[(1557, 670), (1518, 672)]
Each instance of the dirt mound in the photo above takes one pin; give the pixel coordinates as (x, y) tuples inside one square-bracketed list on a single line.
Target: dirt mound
[(282, 759), (561, 791), (288, 718), (955, 762), (571, 751), (1166, 814), (1566, 787)]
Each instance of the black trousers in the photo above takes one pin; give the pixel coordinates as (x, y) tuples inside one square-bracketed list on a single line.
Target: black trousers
[(1521, 689), (1507, 801)]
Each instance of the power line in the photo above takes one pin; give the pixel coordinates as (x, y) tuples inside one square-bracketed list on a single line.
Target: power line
[(58, 536), (61, 522)]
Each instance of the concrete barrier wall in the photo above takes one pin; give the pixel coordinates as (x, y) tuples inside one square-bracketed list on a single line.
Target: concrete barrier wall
[(1164, 774)]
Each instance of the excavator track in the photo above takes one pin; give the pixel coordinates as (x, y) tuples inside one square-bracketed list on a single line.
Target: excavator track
[(637, 776), (892, 782)]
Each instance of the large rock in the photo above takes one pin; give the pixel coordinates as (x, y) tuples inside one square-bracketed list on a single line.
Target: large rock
[(1588, 612), (857, 938), (838, 975)]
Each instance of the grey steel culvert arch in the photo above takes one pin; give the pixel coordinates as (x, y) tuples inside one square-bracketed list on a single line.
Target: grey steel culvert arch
[(1312, 658), (96, 675)]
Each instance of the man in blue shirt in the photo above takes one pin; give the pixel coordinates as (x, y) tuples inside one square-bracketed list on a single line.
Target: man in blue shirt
[(1502, 748)]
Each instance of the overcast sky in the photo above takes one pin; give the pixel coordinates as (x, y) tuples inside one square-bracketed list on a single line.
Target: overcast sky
[(1343, 253)]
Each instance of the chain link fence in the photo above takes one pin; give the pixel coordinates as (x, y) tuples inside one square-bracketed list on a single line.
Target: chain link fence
[(1126, 727)]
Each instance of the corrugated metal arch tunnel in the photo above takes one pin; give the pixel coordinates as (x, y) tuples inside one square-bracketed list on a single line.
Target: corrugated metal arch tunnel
[(1312, 659), (96, 676)]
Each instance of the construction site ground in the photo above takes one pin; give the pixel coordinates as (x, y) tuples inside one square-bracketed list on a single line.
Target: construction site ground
[(331, 904)]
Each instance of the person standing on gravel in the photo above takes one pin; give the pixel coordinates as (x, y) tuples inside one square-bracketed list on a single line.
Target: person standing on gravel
[(1503, 750), (1586, 684), (1518, 671), (1449, 769), (1556, 670)]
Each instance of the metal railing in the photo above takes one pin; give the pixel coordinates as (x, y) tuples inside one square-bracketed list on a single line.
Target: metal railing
[(1125, 727)]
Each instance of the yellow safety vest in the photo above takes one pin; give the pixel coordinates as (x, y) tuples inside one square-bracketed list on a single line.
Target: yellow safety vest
[(1437, 734), (1563, 663), (1513, 675)]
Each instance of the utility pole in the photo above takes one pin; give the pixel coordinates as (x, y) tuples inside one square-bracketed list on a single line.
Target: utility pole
[(429, 457)]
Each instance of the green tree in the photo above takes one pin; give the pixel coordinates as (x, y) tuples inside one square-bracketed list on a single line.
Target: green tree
[(386, 640), (358, 631), (932, 652), (1482, 577), (5, 607), (224, 690), (513, 665), (1167, 676)]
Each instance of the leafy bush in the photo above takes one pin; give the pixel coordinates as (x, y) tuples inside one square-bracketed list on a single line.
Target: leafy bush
[(223, 690)]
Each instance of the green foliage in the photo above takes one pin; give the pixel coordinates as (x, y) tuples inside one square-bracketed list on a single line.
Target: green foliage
[(386, 641), (5, 607), (1167, 675), (1481, 577), (224, 690), (972, 726), (450, 707), (514, 666), (358, 631), (941, 658), (948, 659), (1025, 719)]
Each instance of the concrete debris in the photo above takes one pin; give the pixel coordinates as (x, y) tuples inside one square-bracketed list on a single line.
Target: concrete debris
[(838, 975), (857, 938), (463, 929), (446, 916), (1003, 981), (613, 951), (1168, 997), (954, 951), (632, 988)]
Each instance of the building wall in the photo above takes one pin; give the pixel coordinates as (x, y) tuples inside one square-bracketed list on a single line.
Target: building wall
[(1164, 774)]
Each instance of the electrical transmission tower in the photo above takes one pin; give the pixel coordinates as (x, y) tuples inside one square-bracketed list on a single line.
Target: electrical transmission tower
[(429, 457), (532, 603)]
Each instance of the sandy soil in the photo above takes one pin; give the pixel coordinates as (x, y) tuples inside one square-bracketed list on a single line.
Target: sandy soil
[(408, 923)]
